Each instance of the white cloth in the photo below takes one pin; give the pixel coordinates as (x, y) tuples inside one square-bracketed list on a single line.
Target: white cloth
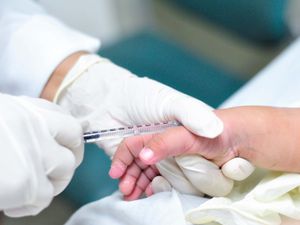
[(165, 208), (277, 85), (32, 44), (260, 199)]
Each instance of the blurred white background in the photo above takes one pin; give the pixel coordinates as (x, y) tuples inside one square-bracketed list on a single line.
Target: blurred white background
[(108, 20), (112, 20)]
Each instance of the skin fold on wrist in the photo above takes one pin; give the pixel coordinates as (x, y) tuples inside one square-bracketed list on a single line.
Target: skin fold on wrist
[(59, 74)]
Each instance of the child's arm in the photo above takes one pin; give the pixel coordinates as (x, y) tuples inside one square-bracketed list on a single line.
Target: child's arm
[(266, 136)]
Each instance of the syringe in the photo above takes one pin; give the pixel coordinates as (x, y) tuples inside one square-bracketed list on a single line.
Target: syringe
[(123, 132)]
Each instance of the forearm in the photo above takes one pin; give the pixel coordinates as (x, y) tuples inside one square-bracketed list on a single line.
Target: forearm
[(269, 137), (58, 75)]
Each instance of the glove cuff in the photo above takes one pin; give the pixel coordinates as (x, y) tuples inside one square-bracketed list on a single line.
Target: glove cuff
[(82, 65)]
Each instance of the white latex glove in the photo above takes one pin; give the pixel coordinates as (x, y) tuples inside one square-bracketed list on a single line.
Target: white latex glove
[(40, 149), (192, 174), (102, 96)]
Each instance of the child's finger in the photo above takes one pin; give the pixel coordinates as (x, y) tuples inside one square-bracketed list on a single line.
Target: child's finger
[(141, 164), (151, 172), (143, 182), (136, 193), (128, 181), (139, 188), (126, 153), (174, 141), (135, 176), (149, 190)]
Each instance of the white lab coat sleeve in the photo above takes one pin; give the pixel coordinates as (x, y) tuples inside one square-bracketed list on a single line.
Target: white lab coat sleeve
[(32, 44)]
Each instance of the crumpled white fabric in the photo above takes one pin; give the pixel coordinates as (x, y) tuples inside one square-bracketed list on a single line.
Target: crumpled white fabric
[(261, 199), (165, 208)]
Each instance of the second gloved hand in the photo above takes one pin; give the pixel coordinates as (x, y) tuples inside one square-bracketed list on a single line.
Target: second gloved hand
[(41, 146)]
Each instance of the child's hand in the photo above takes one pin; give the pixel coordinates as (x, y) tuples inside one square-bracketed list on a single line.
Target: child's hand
[(197, 181), (135, 176)]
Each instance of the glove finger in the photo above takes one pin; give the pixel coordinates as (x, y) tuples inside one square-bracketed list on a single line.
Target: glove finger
[(169, 169), (196, 116), (238, 169), (159, 184), (67, 132), (204, 175), (39, 199), (25, 210), (60, 167), (64, 128)]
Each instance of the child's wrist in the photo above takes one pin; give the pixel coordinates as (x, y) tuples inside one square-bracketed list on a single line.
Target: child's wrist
[(241, 128)]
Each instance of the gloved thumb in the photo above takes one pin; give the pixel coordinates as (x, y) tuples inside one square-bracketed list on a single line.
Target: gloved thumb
[(204, 175), (160, 184), (238, 169), (170, 170)]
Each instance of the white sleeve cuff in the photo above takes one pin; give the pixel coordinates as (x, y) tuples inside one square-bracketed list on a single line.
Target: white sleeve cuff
[(34, 49)]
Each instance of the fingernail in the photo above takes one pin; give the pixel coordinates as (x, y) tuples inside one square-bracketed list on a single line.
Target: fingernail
[(146, 154)]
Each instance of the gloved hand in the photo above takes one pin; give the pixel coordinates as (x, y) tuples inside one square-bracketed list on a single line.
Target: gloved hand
[(40, 148), (102, 96)]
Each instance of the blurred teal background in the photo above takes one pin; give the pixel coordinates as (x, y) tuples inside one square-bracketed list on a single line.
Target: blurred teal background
[(261, 21)]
